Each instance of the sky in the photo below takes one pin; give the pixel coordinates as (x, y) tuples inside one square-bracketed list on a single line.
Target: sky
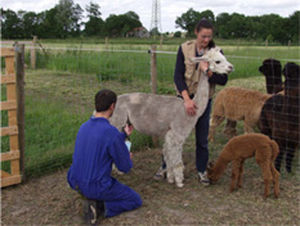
[(170, 9)]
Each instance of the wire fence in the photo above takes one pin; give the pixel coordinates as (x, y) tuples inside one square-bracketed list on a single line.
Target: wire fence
[(61, 83)]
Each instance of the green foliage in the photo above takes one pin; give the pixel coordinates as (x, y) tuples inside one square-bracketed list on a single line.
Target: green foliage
[(236, 26), (65, 20), (177, 34), (95, 25), (119, 25)]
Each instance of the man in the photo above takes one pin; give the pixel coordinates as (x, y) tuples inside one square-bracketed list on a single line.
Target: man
[(99, 145)]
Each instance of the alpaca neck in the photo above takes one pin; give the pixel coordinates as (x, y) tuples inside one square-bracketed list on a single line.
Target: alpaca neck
[(265, 97), (202, 94)]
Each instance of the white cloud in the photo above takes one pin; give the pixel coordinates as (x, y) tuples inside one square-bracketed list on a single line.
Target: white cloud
[(170, 9)]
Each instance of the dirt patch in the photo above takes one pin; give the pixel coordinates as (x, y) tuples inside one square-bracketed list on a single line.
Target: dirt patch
[(49, 200)]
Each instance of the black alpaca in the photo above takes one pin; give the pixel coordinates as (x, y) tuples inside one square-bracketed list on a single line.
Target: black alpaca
[(271, 68), (280, 116)]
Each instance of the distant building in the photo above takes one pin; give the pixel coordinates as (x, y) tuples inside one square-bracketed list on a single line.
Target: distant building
[(138, 32)]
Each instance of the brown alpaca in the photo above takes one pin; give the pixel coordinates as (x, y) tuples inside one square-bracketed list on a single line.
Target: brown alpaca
[(246, 146), (234, 104)]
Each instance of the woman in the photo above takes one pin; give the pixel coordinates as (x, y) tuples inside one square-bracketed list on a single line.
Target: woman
[(185, 72)]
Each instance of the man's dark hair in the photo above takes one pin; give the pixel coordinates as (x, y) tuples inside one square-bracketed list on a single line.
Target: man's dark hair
[(104, 99), (204, 23)]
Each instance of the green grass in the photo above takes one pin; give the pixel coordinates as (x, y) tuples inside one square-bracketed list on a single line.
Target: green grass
[(57, 103), (130, 66)]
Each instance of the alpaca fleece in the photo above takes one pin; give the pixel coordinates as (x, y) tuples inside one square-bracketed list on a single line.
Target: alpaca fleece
[(240, 148), (235, 104)]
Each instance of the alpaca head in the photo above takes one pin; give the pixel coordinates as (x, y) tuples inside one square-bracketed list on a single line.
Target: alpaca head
[(217, 61), (291, 72), (211, 174), (271, 68)]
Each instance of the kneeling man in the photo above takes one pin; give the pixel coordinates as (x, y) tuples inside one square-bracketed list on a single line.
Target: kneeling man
[(99, 145)]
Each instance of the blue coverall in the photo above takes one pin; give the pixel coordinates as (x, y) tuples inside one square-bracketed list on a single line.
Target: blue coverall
[(98, 145)]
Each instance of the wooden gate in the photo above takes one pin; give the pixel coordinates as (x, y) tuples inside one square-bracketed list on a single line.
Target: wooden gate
[(12, 156)]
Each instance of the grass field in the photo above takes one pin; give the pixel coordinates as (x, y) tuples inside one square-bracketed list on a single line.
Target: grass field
[(58, 102)]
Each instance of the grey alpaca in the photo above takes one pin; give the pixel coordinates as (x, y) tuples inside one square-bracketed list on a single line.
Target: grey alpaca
[(165, 116)]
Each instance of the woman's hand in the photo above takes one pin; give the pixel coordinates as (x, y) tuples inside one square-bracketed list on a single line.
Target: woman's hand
[(203, 66), (190, 107)]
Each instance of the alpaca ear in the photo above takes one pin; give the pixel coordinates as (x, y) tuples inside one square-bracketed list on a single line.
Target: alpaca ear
[(211, 164), (198, 59)]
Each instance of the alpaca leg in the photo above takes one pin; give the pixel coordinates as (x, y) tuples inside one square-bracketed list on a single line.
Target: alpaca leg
[(215, 122), (166, 156), (235, 174), (267, 175), (240, 181), (248, 127), (230, 129), (291, 147), (173, 156), (119, 118), (279, 157), (178, 166), (276, 176)]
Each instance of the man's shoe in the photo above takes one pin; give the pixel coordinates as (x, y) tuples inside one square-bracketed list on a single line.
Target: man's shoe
[(203, 178), (91, 211), (160, 174)]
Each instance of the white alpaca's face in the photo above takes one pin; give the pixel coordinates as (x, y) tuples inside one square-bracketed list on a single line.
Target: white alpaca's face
[(217, 61)]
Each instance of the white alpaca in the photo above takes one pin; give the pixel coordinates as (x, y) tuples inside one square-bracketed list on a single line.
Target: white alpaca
[(160, 115)]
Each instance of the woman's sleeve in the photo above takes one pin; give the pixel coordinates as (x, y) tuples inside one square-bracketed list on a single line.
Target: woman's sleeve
[(220, 79), (179, 72)]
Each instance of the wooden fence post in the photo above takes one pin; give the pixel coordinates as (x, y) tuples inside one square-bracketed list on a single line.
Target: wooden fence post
[(161, 41), (106, 43), (153, 69), (155, 140), (20, 74), (33, 53)]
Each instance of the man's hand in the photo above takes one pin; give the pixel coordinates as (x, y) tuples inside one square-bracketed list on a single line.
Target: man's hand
[(128, 129), (130, 155), (190, 107)]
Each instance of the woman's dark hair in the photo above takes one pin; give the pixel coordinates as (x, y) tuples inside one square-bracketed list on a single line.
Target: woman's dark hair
[(104, 99), (205, 23)]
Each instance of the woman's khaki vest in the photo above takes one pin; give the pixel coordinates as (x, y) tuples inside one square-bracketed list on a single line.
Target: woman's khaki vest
[(192, 75)]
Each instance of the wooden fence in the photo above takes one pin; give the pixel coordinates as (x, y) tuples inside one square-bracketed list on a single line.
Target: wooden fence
[(14, 105)]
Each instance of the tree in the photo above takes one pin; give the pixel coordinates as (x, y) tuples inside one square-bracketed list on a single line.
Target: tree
[(95, 24), (221, 25), (188, 20), (30, 24), (292, 26), (119, 25), (11, 25), (68, 16), (177, 34)]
